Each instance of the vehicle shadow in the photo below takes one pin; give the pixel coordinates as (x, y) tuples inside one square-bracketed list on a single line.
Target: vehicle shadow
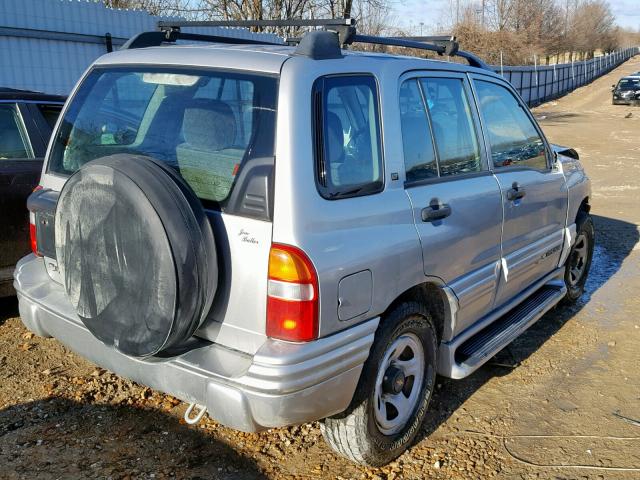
[(554, 118), (8, 308), (615, 239), (63, 438)]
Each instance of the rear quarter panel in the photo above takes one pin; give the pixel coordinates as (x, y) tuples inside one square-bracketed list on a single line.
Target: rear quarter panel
[(342, 237)]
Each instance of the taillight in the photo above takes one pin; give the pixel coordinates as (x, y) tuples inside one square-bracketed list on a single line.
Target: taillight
[(33, 238), (292, 295)]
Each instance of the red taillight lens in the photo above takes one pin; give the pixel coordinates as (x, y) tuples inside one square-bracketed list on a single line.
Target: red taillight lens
[(292, 297), (33, 239), (32, 229)]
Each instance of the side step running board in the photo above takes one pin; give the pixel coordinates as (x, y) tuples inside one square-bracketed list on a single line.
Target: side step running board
[(471, 353)]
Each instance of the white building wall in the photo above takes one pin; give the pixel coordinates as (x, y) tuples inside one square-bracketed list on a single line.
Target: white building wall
[(52, 65)]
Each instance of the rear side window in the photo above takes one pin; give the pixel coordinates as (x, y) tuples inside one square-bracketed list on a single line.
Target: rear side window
[(205, 124), (419, 155), (453, 126), (50, 113), (513, 138), (13, 139), (348, 139)]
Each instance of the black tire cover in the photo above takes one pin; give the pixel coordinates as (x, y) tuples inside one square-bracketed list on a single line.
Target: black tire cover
[(136, 253)]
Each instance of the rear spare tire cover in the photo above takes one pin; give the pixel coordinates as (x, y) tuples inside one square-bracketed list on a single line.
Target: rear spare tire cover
[(136, 253)]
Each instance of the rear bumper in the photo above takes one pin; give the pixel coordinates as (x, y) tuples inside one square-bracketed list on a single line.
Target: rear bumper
[(282, 384)]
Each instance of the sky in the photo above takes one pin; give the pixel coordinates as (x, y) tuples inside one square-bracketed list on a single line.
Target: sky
[(410, 13)]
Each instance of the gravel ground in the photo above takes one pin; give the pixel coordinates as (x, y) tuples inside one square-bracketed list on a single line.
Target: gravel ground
[(546, 407)]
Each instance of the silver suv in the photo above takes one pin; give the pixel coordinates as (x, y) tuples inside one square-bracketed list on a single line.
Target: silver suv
[(280, 234)]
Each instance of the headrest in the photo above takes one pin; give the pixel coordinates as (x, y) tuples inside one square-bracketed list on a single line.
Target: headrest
[(335, 138), (209, 124)]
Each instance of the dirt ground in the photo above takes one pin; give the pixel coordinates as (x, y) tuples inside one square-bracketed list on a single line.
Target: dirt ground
[(545, 408)]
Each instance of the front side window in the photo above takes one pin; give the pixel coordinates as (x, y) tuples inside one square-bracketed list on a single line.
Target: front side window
[(453, 126), (419, 155), (513, 138), (13, 139), (203, 123), (348, 139)]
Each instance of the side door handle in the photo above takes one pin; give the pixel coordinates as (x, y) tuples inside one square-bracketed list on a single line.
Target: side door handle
[(433, 213), (516, 192)]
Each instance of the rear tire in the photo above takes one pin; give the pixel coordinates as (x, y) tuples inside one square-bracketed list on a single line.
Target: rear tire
[(393, 393), (579, 260)]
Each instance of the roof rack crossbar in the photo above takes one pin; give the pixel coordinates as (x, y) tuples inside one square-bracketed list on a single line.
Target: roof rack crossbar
[(316, 22), (221, 39)]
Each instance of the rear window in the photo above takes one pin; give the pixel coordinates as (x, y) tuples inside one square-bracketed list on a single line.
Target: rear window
[(205, 124)]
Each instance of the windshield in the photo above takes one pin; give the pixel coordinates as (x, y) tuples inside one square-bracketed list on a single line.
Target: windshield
[(629, 84), (205, 124)]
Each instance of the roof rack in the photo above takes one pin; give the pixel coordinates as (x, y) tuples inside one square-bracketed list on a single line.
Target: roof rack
[(451, 48), (317, 44), (342, 26)]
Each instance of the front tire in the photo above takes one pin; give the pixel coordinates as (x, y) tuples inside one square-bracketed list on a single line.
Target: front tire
[(579, 259), (393, 392)]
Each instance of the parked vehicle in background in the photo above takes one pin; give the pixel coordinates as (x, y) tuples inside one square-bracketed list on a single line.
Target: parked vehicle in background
[(416, 221), (26, 121), (626, 91)]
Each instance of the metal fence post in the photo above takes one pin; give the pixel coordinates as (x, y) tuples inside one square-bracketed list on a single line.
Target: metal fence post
[(535, 68), (108, 42)]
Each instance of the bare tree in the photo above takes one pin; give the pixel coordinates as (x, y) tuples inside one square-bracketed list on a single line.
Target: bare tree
[(154, 7), (521, 29), (593, 27)]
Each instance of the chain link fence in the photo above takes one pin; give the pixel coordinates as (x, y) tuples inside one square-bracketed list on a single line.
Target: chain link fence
[(539, 84)]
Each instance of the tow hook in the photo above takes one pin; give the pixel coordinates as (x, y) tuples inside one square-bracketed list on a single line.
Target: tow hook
[(195, 419)]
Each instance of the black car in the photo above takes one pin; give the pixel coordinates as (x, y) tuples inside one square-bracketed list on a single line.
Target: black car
[(26, 121), (627, 91)]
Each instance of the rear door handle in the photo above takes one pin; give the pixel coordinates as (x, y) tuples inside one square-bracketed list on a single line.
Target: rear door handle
[(433, 213), (516, 192)]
